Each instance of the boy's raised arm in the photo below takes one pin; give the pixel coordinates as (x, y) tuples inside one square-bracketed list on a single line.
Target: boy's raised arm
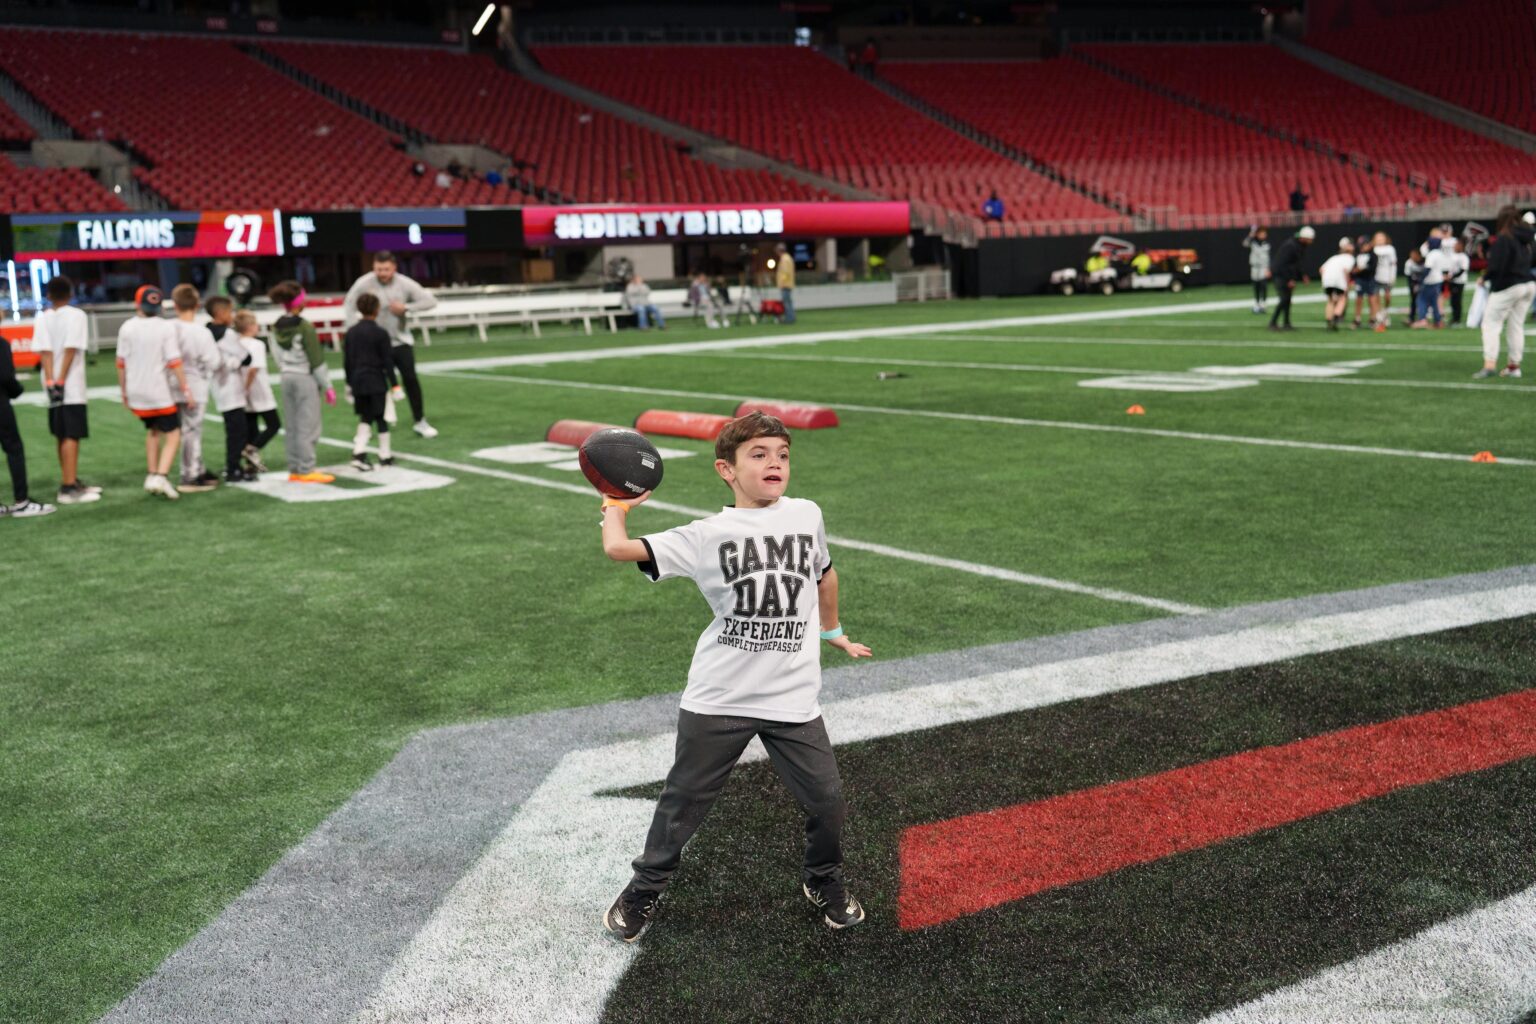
[(616, 542)]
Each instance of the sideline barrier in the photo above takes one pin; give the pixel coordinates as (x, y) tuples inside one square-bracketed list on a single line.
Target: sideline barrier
[(702, 426), (573, 432), (799, 415), (20, 338)]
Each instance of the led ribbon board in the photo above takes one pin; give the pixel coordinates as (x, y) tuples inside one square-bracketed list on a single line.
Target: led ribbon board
[(599, 225), (211, 234)]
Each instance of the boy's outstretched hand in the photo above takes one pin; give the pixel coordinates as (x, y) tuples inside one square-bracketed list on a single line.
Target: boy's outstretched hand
[(853, 650)]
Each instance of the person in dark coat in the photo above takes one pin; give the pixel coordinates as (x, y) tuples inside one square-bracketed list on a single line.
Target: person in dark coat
[(1287, 271)]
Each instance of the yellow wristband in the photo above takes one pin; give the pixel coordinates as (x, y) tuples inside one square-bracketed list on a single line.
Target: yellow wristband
[(615, 503)]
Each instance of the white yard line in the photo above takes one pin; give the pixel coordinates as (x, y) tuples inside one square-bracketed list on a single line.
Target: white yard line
[(1080, 371), (937, 561), (518, 938), (1362, 346), (1478, 968), (1184, 435), (811, 337)]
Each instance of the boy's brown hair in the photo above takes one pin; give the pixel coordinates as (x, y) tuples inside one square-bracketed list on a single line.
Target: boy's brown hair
[(216, 303), (368, 305), (747, 428), (284, 292), (244, 319), (185, 297)]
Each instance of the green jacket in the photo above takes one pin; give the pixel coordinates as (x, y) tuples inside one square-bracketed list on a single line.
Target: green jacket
[(296, 347)]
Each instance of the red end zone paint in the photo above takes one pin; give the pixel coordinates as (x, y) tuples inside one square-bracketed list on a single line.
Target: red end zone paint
[(953, 868)]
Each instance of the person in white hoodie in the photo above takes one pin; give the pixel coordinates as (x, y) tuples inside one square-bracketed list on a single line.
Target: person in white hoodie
[(201, 361), (1335, 275), (1439, 263)]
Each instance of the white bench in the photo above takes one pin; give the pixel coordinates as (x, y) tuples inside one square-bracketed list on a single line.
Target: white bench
[(524, 310)]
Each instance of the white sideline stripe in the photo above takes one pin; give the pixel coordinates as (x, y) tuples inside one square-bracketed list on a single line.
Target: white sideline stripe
[(518, 937), (1327, 346), (1013, 421), (810, 337), (937, 561), (1477, 968), (1278, 378)]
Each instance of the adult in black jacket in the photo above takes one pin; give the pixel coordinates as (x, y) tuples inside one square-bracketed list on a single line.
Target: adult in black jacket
[(1286, 268), (1510, 293), (370, 369), (10, 442)]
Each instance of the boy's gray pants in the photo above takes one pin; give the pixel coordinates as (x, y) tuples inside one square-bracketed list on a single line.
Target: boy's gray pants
[(301, 410), (707, 749), (192, 441)]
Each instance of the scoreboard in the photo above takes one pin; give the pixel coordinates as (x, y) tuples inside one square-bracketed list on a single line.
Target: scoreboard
[(210, 234), (233, 234)]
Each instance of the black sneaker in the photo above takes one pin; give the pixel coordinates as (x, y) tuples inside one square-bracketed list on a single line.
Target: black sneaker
[(390, 461), (631, 913), (830, 896), (205, 482), (360, 462)]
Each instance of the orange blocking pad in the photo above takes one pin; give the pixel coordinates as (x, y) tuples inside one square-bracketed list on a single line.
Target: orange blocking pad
[(703, 426), (793, 414), (573, 432)]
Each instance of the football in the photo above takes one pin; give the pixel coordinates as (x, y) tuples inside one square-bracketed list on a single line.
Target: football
[(620, 462)]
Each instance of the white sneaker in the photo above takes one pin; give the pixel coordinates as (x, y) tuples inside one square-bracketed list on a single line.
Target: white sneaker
[(165, 487), (78, 495), (28, 509), (425, 429), (152, 483)]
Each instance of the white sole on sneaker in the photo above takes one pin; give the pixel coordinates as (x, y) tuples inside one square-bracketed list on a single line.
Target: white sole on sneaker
[(827, 920), (611, 930)]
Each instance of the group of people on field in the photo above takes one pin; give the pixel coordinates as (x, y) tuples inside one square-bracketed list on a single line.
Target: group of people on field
[(168, 370), (1436, 271)]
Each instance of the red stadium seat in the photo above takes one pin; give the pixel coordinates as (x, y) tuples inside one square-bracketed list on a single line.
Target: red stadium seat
[(1287, 94), (797, 106), (583, 153)]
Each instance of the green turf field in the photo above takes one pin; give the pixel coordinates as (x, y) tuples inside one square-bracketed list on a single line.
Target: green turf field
[(190, 688)]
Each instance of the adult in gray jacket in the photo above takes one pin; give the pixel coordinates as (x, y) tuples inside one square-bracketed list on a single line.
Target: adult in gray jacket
[(398, 295), (1257, 244)]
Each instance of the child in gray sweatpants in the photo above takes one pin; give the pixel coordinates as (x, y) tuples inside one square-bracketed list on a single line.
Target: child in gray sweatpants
[(763, 566), (305, 378)]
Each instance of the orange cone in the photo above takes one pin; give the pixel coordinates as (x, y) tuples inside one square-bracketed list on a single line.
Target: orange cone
[(1135, 410), (1484, 457)]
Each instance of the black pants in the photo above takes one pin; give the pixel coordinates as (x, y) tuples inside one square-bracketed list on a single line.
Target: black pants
[(15, 452), (1456, 290), (234, 439), (261, 427), (1284, 290), (1261, 291), (404, 358), (707, 749)]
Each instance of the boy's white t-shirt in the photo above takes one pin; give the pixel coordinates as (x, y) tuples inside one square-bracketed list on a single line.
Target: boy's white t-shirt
[(146, 351), (57, 330), (200, 354), (259, 398), (1386, 264), (1335, 273), (758, 568)]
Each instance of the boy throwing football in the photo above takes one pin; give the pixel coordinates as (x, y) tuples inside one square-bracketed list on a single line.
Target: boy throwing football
[(763, 566)]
